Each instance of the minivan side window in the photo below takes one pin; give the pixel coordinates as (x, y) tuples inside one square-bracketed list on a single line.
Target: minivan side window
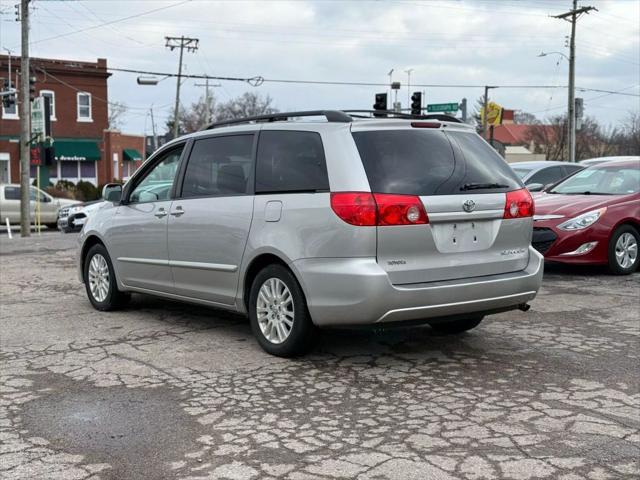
[(290, 161), (219, 166), (156, 184)]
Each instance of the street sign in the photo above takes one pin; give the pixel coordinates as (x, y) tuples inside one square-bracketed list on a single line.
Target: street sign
[(37, 118), (442, 107), (494, 114), (41, 118)]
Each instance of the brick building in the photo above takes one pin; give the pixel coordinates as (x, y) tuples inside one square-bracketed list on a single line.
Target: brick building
[(85, 149)]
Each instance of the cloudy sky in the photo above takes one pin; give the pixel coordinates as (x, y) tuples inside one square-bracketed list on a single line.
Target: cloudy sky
[(444, 42)]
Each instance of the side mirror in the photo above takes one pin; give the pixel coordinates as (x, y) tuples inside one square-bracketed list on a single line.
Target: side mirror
[(112, 192), (535, 187)]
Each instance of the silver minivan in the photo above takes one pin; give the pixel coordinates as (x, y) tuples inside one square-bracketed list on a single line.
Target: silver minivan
[(312, 219)]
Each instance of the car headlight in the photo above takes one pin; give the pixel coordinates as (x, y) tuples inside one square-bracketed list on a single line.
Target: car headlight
[(583, 221)]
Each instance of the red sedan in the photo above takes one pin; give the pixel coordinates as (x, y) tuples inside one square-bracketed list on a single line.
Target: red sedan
[(592, 217)]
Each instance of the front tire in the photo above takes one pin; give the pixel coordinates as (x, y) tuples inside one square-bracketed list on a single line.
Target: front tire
[(456, 327), (623, 250), (278, 313), (100, 280)]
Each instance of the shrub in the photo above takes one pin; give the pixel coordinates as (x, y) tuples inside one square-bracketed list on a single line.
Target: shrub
[(59, 193), (86, 191)]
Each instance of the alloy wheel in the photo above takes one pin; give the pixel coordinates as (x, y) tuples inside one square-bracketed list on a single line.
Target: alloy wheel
[(275, 310), (626, 250), (99, 277)]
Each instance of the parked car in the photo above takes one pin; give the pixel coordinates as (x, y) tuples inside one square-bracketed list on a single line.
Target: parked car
[(538, 175), (72, 218), (305, 224), (592, 217), (594, 161), (49, 206)]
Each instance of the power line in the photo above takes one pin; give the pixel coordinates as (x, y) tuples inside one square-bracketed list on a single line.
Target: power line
[(259, 80), (111, 22)]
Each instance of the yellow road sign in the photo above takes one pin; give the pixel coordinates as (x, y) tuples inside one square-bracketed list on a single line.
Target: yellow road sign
[(494, 114)]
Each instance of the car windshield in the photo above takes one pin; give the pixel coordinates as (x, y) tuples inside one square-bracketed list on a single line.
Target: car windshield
[(602, 180), (522, 171)]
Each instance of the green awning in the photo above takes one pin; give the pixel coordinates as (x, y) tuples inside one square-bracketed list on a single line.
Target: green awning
[(131, 154), (76, 150)]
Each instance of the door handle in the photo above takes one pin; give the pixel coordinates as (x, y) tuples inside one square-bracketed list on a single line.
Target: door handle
[(161, 213), (178, 211)]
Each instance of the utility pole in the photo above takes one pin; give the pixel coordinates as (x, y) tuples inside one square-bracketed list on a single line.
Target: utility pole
[(572, 17), (207, 99), (484, 111), (182, 42), (390, 87), (25, 124), (153, 130)]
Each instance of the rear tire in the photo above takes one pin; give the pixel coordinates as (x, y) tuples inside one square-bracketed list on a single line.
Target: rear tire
[(278, 313), (623, 250), (455, 327), (100, 280)]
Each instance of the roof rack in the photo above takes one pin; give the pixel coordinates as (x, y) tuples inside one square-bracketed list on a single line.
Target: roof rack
[(339, 116), (330, 115), (393, 114)]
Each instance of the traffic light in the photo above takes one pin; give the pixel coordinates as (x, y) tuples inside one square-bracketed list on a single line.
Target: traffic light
[(32, 88), (416, 103), (381, 104), (8, 100), (49, 156)]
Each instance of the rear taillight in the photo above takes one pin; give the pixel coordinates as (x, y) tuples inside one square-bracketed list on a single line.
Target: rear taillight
[(519, 204), (425, 124), (356, 208), (381, 209), (400, 210)]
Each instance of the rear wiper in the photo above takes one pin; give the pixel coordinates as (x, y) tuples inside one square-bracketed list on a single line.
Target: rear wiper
[(482, 186)]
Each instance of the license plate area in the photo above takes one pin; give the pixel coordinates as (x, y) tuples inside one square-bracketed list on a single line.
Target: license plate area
[(468, 236)]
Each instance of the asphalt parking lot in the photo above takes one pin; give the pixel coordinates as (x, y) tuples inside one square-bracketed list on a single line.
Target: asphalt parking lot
[(163, 390)]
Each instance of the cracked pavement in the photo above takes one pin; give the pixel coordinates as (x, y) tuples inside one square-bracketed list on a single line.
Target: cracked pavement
[(164, 390)]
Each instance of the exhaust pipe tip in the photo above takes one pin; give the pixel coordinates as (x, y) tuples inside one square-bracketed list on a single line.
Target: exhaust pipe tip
[(524, 307)]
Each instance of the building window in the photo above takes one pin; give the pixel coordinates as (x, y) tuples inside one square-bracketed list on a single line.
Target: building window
[(68, 169), (11, 113), (84, 107), (51, 95), (87, 170)]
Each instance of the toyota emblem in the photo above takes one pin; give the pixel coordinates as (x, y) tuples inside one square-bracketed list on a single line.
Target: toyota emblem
[(469, 205)]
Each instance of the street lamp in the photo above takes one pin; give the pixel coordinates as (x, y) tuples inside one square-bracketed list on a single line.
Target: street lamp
[(147, 80), (408, 72), (544, 54)]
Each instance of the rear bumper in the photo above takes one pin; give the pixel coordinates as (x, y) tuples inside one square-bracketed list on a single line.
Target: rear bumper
[(357, 291)]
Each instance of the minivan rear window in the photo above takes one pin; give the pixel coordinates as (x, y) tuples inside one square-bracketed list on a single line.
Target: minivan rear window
[(430, 162)]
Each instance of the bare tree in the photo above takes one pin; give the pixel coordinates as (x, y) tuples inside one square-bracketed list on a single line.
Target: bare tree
[(247, 105), (549, 138), (592, 139), (525, 118), (629, 140), (116, 112)]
